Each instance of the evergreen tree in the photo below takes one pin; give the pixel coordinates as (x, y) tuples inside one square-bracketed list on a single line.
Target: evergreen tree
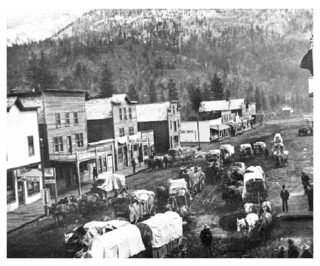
[(206, 95), (250, 94), (195, 98), (78, 70), (228, 94), (272, 101), (264, 102), (258, 100), (132, 93), (152, 92), (173, 91), (216, 88), (39, 75), (106, 82)]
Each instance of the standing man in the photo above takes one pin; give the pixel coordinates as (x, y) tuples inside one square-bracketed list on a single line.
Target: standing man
[(206, 240), (305, 181), (133, 162), (310, 196), (292, 250), (284, 194), (95, 173)]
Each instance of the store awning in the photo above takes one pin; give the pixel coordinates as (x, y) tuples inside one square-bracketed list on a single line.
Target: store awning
[(122, 140), (219, 127)]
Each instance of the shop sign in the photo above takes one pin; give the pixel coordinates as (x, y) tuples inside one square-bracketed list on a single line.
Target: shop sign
[(137, 141), (30, 179)]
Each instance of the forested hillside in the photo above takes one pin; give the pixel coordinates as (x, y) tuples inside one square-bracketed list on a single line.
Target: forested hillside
[(157, 55)]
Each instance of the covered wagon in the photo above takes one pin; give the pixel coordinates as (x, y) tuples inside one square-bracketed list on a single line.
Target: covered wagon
[(134, 205), (227, 152), (162, 236), (277, 138), (109, 185), (254, 185), (194, 177), (246, 150), (259, 147), (181, 154), (124, 242)]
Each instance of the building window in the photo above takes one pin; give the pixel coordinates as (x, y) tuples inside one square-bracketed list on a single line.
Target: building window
[(121, 131), (174, 109), (33, 187), (75, 116), (79, 139), (120, 155), (83, 167), (176, 139), (125, 113), (67, 119), (30, 145), (120, 113), (175, 125), (58, 119), (131, 131), (130, 114), (58, 144), (170, 124)]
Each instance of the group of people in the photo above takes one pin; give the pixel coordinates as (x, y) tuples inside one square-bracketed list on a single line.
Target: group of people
[(293, 251), (308, 190)]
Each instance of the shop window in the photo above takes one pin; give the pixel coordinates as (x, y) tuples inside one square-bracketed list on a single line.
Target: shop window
[(67, 119), (58, 144), (83, 167), (79, 139), (121, 132), (130, 114), (120, 155), (11, 196), (125, 113), (178, 123), (135, 147), (33, 187), (75, 117), (30, 145), (120, 114), (58, 120), (131, 131), (105, 163)]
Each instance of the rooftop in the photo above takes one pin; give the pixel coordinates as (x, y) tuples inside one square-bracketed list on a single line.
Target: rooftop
[(99, 109), (152, 112), (208, 106)]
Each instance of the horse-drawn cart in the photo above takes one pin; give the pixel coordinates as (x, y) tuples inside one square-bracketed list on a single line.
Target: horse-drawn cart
[(194, 177)]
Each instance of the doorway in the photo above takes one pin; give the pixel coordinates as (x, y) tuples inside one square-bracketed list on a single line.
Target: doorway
[(20, 193)]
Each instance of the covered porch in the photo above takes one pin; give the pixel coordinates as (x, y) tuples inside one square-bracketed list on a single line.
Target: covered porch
[(219, 132)]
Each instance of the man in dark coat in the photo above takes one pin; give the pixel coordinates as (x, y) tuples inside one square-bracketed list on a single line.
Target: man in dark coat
[(206, 240), (292, 250), (310, 196), (95, 173), (284, 194), (281, 253), (305, 181), (133, 163)]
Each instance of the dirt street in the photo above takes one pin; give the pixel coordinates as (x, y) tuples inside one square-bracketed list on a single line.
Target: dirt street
[(43, 239)]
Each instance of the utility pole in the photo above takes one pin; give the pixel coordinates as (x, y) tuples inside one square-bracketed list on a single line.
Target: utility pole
[(198, 132), (43, 179)]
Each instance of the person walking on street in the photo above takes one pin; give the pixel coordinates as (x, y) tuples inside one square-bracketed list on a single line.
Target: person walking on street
[(133, 163), (310, 196), (281, 253), (206, 240), (305, 181), (284, 194), (292, 250), (95, 173), (306, 252)]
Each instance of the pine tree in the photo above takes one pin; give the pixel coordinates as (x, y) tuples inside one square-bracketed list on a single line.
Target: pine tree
[(264, 102), (39, 75), (173, 91), (106, 82), (258, 100), (152, 92), (132, 93), (195, 98), (206, 94), (272, 101), (216, 88), (228, 94), (250, 94)]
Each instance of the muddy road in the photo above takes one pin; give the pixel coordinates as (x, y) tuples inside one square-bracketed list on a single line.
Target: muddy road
[(44, 239)]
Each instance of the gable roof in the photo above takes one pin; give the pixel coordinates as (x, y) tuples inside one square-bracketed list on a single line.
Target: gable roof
[(207, 106), (14, 100), (152, 112), (99, 109)]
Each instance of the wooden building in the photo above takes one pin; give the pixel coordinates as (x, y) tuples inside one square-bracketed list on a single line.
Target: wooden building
[(164, 119), (23, 154), (63, 128), (116, 117)]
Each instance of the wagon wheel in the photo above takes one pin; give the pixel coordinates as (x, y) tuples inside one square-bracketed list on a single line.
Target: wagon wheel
[(182, 247)]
